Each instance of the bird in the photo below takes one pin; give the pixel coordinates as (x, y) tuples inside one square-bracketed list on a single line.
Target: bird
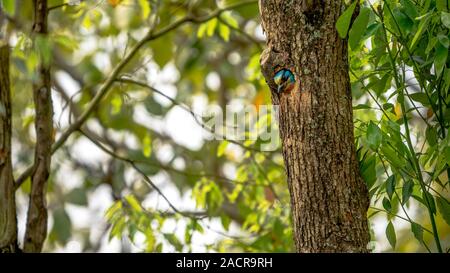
[(285, 80)]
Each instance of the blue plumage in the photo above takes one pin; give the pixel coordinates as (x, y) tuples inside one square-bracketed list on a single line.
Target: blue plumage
[(285, 80)]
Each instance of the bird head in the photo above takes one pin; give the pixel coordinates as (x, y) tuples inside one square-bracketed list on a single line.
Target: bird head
[(284, 79)]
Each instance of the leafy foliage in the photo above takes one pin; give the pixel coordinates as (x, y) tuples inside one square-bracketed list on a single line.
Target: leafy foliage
[(152, 187), (399, 67)]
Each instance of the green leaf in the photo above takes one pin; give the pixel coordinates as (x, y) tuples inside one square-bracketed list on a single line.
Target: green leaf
[(426, 5), (159, 247), (62, 225), (86, 23), (407, 190), (227, 17), (393, 130), (380, 85), (65, 41), (387, 204), (390, 234), (358, 28), (162, 49), (149, 240), (444, 208), (43, 48), (116, 104), (145, 8), (422, 26), (117, 228), (445, 18), (440, 58), (201, 30), (368, 172), (390, 185), (115, 208), (443, 39), (226, 221), (388, 106), (431, 136), (152, 106), (187, 236), (409, 8), (428, 200), (404, 22), (133, 202), (147, 146), (361, 106), (222, 147), (343, 23), (224, 32), (420, 97), (173, 240), (77, 196), (417, 230), (9, 6), (211, 27), (431, 43), (392, 156), (374, 136), (447, 154), (197, 226), (442, 5)]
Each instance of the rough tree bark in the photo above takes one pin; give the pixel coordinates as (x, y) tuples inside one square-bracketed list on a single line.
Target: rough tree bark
[(8, 221), (36, 227), (328, 196)]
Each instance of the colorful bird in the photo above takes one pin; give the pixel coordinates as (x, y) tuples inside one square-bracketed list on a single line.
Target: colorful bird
[(285, 80)]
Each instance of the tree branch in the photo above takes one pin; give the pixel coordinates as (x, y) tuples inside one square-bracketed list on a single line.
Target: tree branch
[(112, 77), (136, 168), (8, 220), (197, 20), (36, 226), (187, 109)]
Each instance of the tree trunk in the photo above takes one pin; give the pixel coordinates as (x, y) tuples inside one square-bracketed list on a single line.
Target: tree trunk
[(36, 227), (329, 199), (8, 221)]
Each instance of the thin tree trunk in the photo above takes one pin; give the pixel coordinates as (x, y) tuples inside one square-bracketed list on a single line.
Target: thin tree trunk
[(8, 221), (328, 196), (36, 227)]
